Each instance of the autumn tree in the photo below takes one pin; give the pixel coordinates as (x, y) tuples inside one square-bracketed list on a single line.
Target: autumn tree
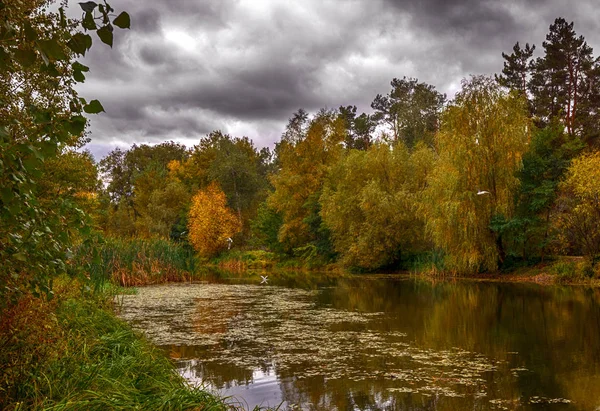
[(578, 207), (483, 136), (121, 168), (303, 164), (370, 204), (410, 111), (211, 222), (237, 166), (138, 183)]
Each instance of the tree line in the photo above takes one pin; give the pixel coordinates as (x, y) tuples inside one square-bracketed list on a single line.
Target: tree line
[(493, 176)]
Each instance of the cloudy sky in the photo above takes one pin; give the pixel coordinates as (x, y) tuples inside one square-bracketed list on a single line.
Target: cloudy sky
[(188, 67)]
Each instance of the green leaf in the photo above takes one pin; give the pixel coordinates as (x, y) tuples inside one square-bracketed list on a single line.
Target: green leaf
[(6, 195), (88, 6), (88, 22), (106, 35), (77, 125), (123, 21), (4, 56), (52, 49), (93, 108), (78, 70), (25, 57), (30, 34), (80, 67), (51, 69), (20, 257), (78, 76), (41, 117), (80, 43), (4, 133)]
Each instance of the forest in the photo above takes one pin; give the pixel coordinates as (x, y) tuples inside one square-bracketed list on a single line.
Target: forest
[(504, 174)]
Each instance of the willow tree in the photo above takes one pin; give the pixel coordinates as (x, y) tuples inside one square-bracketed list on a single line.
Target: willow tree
[(483, 136), (369, 203)]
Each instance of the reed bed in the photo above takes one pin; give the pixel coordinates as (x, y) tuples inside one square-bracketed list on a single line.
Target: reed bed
[(134, 262)]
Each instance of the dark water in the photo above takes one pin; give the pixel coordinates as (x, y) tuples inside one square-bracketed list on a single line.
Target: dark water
[(370, 343)]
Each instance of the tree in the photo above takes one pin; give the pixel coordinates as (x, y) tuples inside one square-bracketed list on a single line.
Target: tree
[(122, 168), (41, 116), (544, 164), (138, 179), (578, 207), (358, 128), (210, 222), (483, 136), (236, 165), (411, 110), (370, 204), (303, 165), (564, 81), (517, 69)]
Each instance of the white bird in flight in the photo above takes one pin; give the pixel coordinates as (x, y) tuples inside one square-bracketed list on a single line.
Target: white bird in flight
[(482, 192), (265, 279), (229, 241)]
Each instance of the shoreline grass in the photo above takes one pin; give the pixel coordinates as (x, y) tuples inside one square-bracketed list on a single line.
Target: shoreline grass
[(73, 353), (134, 262)]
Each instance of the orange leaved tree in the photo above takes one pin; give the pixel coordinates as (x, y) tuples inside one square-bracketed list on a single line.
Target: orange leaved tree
[(210, 222)]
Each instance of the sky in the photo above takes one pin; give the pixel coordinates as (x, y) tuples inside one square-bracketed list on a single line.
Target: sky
[(188, 67)]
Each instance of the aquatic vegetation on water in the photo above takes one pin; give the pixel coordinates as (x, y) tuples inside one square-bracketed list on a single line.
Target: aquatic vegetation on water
[(248, 326)]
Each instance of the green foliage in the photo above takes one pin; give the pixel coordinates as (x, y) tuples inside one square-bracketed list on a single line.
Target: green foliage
[(40, 117), (411, 110), (145, 199), (237, 166), (265, 228), (529, 233)]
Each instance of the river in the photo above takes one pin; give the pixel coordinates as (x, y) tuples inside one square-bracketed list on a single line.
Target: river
[(379, 342)]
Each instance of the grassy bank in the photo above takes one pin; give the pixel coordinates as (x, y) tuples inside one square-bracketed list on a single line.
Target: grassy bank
[(563, 270), (72, 353)]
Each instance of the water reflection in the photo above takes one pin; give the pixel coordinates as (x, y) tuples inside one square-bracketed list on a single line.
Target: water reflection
[(372, 343)]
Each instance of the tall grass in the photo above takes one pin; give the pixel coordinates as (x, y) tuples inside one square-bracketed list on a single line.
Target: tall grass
[(131, 262), (74, 354)]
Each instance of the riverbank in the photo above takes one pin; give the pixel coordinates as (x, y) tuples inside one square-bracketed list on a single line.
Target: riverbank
[(73, 353)]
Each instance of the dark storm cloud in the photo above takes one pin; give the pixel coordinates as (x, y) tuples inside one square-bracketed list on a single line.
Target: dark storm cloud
[(189, 67)]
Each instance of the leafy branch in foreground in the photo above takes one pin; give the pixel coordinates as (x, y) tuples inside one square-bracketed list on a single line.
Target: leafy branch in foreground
[(41, 116)]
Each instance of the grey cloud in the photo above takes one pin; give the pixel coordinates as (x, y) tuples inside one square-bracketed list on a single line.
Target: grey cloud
[(249, 64)]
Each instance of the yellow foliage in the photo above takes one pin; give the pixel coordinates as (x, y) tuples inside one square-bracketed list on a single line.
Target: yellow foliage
[(480, 144), (578, 207), (304, 165), (369, 203), (211, 222)]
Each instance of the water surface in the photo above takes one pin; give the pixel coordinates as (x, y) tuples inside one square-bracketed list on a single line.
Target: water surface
[(380, 342)]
